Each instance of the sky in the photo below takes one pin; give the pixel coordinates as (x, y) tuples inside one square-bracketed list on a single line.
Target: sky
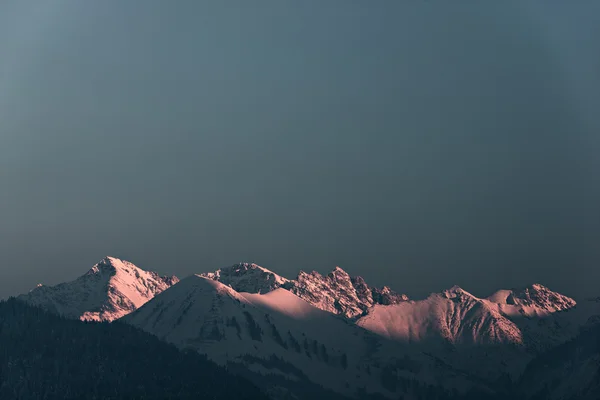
[(417, 144)]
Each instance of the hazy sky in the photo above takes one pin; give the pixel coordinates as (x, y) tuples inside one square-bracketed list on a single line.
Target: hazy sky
[(418, 144)]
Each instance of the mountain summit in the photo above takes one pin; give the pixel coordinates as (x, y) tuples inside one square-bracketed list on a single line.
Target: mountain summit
[(535, 296), (109, 290), (247, 277)]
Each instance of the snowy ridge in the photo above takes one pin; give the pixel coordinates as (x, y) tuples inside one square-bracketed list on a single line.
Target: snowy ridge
[(496, 336), (108, 291), (337, 292), (453, 315), (459, 317)]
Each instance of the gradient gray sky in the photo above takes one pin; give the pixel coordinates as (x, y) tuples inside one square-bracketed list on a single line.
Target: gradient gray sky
[(418, 144)]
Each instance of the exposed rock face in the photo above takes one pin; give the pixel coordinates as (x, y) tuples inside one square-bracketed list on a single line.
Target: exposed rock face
[(363, 292), (109, 290), (334, 292), (341, 294), (386, 296)]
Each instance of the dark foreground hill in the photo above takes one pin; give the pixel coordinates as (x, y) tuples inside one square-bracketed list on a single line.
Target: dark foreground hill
[(43, 356)]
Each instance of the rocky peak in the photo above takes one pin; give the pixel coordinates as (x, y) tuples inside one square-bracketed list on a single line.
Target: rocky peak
[(386, 296), (309, 275), (247, 277), (109, 290), (538, 295), (108, 265), (340, 276), (333, 293), (457, 293), (339, 293)]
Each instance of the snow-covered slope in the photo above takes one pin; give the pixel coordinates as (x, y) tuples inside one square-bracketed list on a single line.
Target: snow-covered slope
[(493, 337), (274, 333), (459, 317), (454, 315), (109, 290), (281, 339), (337, 292)]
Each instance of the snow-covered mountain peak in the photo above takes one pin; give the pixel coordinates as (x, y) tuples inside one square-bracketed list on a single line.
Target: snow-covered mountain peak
[(534, 296), (540, 296), (456, 292), (109, 290), (109, 265), (247, 277)]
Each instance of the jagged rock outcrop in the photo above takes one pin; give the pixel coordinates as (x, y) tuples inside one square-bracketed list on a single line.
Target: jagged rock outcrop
[(339, 293)]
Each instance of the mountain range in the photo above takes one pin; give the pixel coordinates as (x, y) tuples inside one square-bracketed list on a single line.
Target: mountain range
[(322, 336)]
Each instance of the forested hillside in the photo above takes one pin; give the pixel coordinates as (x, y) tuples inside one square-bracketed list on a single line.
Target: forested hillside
[(43, 356)]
